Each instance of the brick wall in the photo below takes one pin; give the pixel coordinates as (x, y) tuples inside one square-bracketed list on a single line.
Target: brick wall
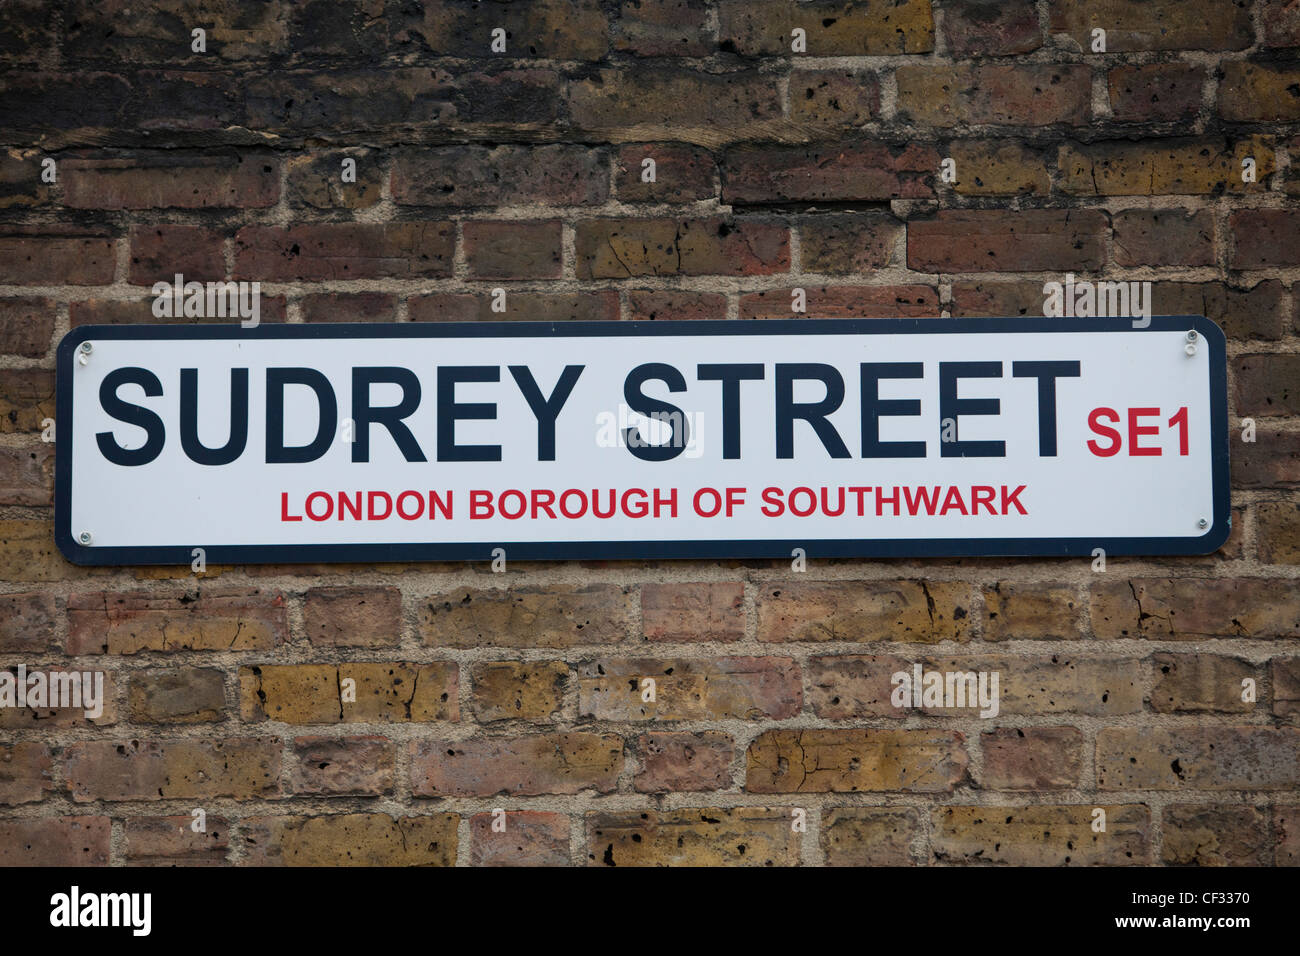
[(776, 170)]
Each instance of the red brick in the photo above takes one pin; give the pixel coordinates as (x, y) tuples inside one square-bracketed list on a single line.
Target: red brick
[(1155, 92), (710, 836), (1278, 532), (664, 28), (385, 692), (394, 100), (1199, 683), (1164, 237), (342, 767), (844, 302), (353, 616), (1281, 19), (183, 696), (349, 307), (987, 240), (55, 841), (26, 399), (1285, 674), (869, 836), (904, 611), (836, 245), (685, 761), (833, 27), (1023, 94), (844, 99), (20, 177), (1272, 460), (240, 768), (530, 838), (1264, 238), (513, 249), (1035, 758), (664, 101), (994, 298), (56, 255), (1259, 92), (551, 29), (851, 171), (558, 616), (848, 761), (741, 688), (25, 773), (1287, 826), (27, 476), (159, 32), (650, 304), (991, 27), (344, 250), (1136, 26), (1041, 835), (26, 326), (26, 622), (27, 552), (316, 181), (519, 690), (462, 176), (159, 253), (596, 306), (563, 763), (1197, 835), (350, 839), (1255, 312), (1198, 758), (1018, 612), (620, 248), (140, 312), (172, 841), (1181, 609), (50, 717), (1268, 385), (675, 612), (1202, 166), (683, 173), (132, 622), (171, 180)]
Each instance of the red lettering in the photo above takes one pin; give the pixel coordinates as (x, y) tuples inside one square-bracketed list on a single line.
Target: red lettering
[(419, 505), (480, 504), (1105, 431), (1180, 419), (953, 500), (435, 501), (922, 498), (370, 505), (670, 501), (1013, 499), (812, 502), (329, 506), (1135, 431), (542, 500), (735, 498), (501, 504), (284, 508), (983, 495), (699, 508)]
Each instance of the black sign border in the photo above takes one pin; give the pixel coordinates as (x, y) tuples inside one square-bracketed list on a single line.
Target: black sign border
[(1206, 543)]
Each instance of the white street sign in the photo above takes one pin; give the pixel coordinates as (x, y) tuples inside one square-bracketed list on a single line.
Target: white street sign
[(873, 437)]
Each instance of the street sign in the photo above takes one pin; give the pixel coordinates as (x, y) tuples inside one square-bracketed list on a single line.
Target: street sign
[(862, 437)]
